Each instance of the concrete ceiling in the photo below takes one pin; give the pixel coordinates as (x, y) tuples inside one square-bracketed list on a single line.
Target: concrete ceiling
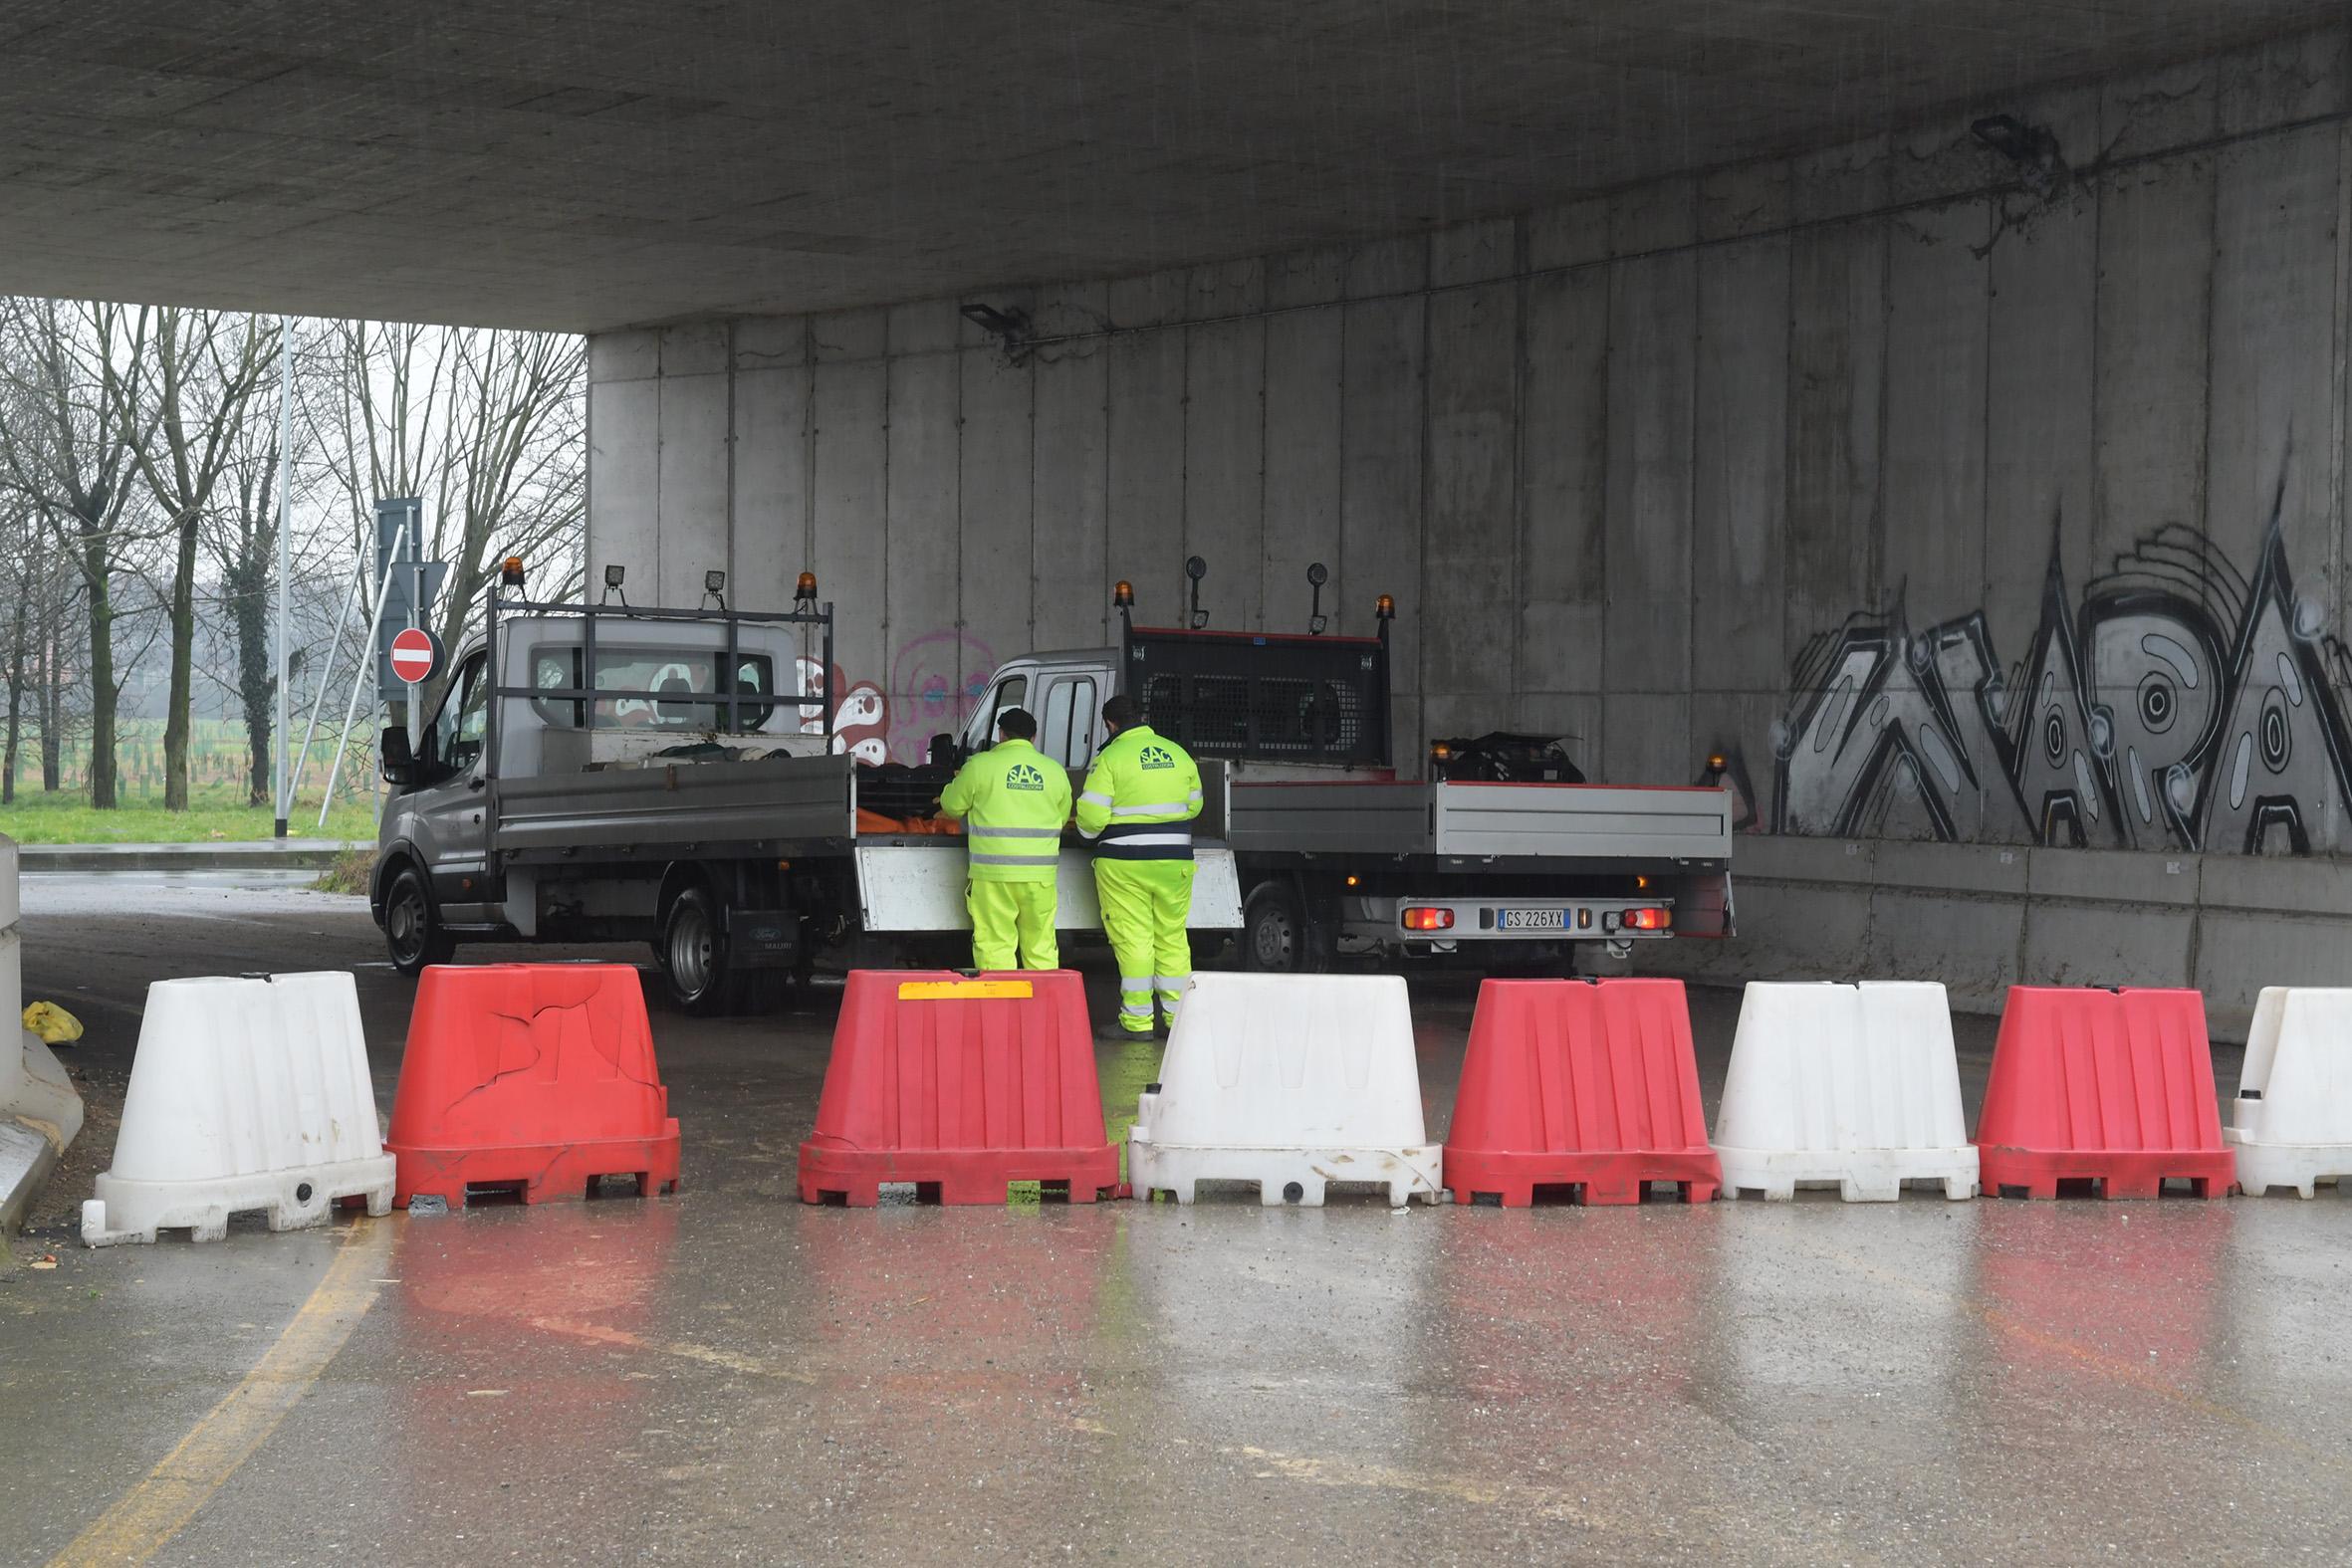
[(593, 164)]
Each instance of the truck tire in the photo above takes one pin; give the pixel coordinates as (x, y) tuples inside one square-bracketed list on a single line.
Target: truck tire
[(693, 956), (411, 927), (1274, 930)]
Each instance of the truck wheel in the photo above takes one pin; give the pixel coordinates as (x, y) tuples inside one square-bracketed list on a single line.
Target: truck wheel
[(693, 959), (1274, 930), (412, 930)]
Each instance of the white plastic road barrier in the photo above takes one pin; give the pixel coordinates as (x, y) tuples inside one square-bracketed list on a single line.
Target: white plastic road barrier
[(1291, 1081), (2292, 1122), (247, 1094), (39, 1111), (1851, 1087)]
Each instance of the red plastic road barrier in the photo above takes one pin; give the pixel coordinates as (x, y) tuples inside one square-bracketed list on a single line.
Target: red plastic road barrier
[(960, 1085), (536, 1076), (1582, 1084), (2115, 1087)]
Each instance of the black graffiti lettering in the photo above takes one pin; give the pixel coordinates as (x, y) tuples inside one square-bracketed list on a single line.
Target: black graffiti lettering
[(2179, 704)]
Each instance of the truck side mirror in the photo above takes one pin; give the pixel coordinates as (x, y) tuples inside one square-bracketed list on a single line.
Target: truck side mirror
[(395, 763)]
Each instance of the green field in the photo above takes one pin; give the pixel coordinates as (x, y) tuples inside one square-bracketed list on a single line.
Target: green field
[(216, 792)]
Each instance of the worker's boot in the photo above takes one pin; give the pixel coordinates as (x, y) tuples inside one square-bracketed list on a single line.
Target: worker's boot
[(1112, 1030)]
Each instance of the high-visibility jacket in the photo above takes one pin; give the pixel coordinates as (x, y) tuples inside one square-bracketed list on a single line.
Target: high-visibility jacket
[(1012, 800), (1139, 795)]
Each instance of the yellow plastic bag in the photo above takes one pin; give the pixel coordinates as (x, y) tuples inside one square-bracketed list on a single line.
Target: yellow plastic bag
[(53, 1023)]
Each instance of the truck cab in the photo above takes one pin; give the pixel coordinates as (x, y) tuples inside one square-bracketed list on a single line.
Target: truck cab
[(1065, 689)]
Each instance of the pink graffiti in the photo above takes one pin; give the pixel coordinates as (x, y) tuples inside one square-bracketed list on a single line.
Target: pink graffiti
[(935, 681)]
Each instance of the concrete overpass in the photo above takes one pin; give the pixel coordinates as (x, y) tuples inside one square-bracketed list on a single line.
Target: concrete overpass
[(1694, 374)]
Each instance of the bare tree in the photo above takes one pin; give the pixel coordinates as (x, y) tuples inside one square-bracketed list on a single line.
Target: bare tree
[(206, 368), (67, 442), (488, 427), (26, 567)]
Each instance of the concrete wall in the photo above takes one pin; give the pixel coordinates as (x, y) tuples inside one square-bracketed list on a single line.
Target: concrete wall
[(1947, 509)]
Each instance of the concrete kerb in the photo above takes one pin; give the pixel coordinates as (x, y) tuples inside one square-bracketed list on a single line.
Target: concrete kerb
[(293, 854), (40, 1113)]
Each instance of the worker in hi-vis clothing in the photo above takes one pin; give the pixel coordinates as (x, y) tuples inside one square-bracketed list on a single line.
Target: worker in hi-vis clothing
[(1012, 801), (1140, 798)]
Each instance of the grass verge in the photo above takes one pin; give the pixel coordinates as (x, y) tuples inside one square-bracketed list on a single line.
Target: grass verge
[(215, 814)]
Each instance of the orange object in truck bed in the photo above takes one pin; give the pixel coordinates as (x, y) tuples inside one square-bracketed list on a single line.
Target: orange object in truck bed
[(876, 822)]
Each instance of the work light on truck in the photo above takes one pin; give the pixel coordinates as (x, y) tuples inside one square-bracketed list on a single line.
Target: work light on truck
[(1122, 594), (805, 591), (1419, 919), (510, 572)]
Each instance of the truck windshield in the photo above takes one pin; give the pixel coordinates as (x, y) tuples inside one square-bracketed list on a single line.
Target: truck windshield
[(689, 686)]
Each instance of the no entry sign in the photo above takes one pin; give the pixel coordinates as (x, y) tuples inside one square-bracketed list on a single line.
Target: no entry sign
[(412, 654)]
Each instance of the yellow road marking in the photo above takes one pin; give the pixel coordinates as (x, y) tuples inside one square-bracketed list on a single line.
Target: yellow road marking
[(954, 990), (149, 1515)]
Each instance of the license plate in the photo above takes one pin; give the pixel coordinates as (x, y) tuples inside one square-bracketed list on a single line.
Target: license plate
[(1534, 920)]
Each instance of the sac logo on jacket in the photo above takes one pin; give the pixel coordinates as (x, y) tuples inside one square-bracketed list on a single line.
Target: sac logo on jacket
[(1023, 776)]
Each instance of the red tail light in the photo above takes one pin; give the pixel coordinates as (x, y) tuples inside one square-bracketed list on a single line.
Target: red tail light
[(1429, 919), (1647, 920)]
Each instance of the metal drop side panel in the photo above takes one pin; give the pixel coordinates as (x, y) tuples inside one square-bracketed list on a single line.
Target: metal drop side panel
[(1353, 819), (920, 887), (1583, 822), (675, 807)]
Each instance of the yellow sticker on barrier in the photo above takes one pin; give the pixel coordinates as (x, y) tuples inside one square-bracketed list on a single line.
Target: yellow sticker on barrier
[(961, 989)]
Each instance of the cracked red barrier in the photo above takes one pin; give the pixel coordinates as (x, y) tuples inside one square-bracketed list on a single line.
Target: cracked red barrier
[(2114, 1088), (1586, 1087), (530, 1079), (959, 1086)]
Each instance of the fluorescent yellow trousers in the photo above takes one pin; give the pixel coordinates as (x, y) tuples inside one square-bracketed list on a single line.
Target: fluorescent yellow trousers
[(1009, 917), (1145, 904)]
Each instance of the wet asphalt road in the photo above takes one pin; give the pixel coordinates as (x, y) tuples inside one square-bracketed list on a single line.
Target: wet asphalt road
[(729, 1375)]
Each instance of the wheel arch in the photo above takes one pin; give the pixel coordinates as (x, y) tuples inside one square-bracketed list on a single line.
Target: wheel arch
[(390, 861)]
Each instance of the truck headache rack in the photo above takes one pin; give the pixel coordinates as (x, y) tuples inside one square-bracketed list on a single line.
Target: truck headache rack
[(727, 702), (1261, 697)]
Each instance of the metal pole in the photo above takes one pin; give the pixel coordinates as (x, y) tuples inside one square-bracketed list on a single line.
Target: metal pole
[(285, 801), (302, 757), (351, 710), (415, 529)]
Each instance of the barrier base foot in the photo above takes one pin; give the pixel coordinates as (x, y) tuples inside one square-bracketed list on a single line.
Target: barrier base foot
[(537, 1174), (1517, 1181), (2043, 1174), (1861, 1176), (1285, 1178), (136, 1212), (2303, 1168), (856, 1177)]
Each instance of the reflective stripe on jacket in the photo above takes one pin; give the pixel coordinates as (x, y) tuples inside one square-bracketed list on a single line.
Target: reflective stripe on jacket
[(1014, 799), (1141, 791)]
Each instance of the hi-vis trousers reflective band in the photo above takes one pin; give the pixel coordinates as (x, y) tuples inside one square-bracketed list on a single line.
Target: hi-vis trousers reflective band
[(993, 856)]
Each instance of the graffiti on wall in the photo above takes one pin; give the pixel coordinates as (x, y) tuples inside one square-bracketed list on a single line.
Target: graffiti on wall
[(935, 679), (2179, 704)]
